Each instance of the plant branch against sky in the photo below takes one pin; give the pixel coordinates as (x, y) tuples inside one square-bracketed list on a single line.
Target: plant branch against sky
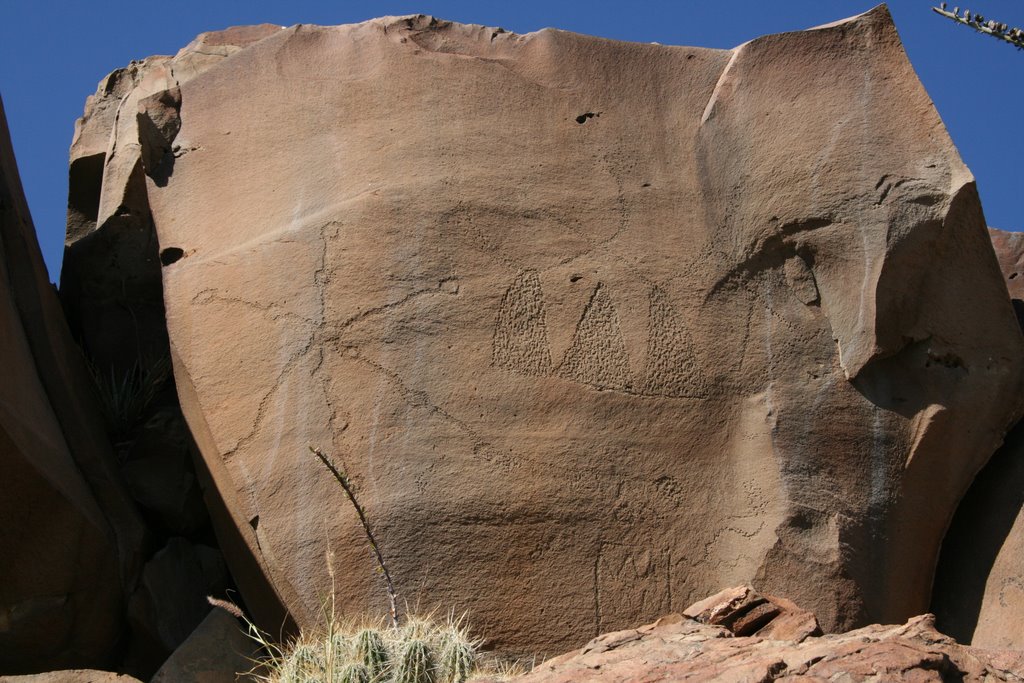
[(982, 24), (52, 55)]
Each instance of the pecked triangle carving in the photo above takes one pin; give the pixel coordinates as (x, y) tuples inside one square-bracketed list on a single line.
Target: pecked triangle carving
[(520, 334), (597, 354), (672, 368)]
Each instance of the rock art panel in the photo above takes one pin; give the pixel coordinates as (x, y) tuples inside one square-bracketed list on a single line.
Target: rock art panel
[(581, 338)]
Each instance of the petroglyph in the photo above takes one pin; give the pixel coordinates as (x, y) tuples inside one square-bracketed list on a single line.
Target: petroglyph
[(520, 334), (671, 363), (597, 354), (629, 581)]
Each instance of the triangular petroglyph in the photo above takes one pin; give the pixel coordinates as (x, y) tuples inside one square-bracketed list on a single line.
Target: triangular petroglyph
[(672, 368), (520, 334), (597, 354)]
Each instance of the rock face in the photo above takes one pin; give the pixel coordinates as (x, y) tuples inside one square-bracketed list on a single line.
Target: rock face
[(216, 652), (71, 676), (981, 600), (594, 327), (1009, 248), (680, 647), (112, 295), (69, 535)]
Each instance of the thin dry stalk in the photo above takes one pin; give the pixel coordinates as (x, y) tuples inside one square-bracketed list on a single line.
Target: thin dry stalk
[(346, 484)]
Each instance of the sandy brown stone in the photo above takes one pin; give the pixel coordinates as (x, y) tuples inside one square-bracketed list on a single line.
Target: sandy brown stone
[(594, 327), (216, 652), (685, 650), (1009, 247), (71, 676), (69, 536), (979, 586), (744, 612)]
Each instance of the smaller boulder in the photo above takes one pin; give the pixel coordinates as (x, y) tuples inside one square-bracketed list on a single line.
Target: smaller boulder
[(71, 676), (216, 652)]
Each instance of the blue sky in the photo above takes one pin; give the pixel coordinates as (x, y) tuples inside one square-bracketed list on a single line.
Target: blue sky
[(53, 53)]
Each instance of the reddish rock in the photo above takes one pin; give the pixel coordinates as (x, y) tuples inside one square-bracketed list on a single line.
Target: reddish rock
[(71, 676), (733, 320), (678, 648), (744, 612), (69, 535), (979, 586), (1009, 248), (216, 652)]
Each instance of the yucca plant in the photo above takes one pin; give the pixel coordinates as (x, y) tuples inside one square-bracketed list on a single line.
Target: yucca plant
[(124, 397)]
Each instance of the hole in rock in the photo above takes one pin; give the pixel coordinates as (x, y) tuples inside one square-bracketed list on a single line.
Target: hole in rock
[(575, 277), (582, 118), (171, 255)]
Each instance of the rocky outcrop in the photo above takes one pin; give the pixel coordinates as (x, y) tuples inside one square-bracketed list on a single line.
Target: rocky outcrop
[(71, 676), (681, 648), (112, 295), (110, 280), (1009, 248), (113, 298), (634, 320), (218, 651), (979, 585), (69, 534)]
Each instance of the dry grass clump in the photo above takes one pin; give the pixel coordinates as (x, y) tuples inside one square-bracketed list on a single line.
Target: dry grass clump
[(421, 650)]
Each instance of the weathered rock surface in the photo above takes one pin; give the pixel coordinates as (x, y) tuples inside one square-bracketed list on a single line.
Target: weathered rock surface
[(170, 600), (1009, 248), (744, 612), (71, 676), (683, 648), (216, 652), (594, 327), (979, 585), (112, 294), (110, 280), (69, 536)]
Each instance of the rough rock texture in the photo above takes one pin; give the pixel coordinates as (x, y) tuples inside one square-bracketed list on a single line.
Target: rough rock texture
[(112, 294), (744, 612), (1009, 248), (170, 600), (69, 536), (71, 676), (679, 648), (110, 280), (634, 320), (979, 585), (216, 652)]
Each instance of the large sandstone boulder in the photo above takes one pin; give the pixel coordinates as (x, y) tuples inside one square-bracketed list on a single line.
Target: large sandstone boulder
[(979, 585), (110, 279), (69, 536), (112, 295), (594, 327)]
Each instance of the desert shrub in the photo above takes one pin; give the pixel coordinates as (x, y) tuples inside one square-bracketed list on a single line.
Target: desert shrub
[(124, 397), (420, 650)]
